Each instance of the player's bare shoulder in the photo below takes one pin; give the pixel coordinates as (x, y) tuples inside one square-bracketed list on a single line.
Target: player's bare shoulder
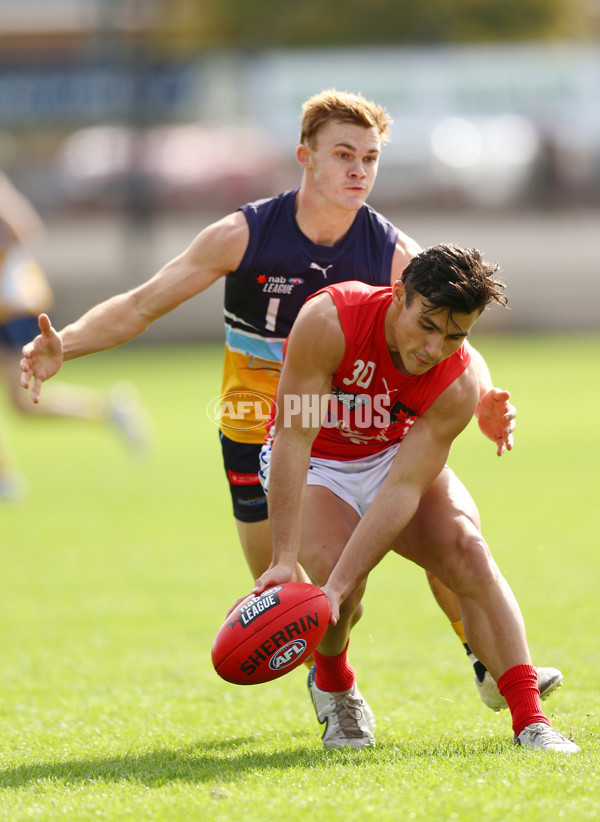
[(222, 244), (319, 316), (317, 334), (406, 249)]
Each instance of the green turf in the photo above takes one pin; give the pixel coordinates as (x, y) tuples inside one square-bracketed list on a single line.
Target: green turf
[(117, 571)]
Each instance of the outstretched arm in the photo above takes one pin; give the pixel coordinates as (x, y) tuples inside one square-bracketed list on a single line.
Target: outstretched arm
[(315, 349), (217, 250), (419, 460)]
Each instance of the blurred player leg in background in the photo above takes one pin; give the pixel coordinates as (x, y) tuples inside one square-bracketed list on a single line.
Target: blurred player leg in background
[(118, 408), (24, 293)]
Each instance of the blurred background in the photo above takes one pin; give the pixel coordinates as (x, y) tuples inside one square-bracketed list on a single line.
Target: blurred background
[(131, 124)]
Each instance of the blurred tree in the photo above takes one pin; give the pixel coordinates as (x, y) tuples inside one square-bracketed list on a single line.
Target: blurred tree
[(182, 25), (272, 23)]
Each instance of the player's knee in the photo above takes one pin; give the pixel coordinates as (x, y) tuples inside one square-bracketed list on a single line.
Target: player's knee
[(471, 563), (357, 614)]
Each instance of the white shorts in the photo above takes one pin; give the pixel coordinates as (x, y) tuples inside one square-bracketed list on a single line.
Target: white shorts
[(356, 482)]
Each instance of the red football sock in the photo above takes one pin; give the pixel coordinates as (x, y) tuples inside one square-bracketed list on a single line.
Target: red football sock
[(333, 673), (519, 687)]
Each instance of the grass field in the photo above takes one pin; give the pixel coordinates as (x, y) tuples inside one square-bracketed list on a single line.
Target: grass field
[(117, 572)]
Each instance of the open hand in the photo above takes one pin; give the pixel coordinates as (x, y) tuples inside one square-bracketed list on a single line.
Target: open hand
[(42, 358), (496, 418)]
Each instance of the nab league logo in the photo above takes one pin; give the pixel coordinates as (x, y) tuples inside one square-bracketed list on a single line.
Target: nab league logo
[(257, 606), (278, 284)]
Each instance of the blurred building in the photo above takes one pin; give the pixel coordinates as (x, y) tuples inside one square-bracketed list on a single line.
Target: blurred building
[(128, 143), (96, 112)]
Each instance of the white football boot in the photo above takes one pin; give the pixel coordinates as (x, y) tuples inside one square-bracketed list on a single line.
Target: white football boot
[(549, 679), (541, 736), (343, 714), (368, 714), (127, 414)]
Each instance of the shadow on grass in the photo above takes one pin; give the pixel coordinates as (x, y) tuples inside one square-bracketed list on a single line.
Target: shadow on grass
[(231, 761)]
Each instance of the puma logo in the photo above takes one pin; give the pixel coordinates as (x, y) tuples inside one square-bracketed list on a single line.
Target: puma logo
[(319, 268)]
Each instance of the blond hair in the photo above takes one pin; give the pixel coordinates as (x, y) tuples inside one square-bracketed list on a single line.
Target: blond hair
[(344, 107)]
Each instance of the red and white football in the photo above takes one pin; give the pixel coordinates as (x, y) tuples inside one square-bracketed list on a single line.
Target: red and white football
[(270, 634)]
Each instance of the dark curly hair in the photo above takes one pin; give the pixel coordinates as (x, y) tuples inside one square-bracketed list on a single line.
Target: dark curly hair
[(448, 276)]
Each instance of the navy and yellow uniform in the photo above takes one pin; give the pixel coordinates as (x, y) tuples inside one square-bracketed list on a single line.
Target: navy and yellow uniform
[(280, 269), (24, 293)]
